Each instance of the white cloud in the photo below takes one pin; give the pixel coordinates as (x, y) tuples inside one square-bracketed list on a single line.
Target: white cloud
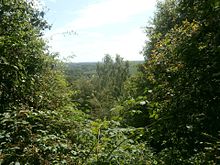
[(107, 12), (110, 11), (91, 44), (128, 45)]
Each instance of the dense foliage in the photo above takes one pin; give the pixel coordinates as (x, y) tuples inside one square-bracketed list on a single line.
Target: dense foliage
[(33, 96), (100, 92), (182, 81), (166, 113)]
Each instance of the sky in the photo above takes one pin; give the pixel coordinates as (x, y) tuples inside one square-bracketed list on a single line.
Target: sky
[(88, 29)]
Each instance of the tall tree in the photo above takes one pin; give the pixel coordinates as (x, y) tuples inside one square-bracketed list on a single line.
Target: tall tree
[(182, 73), (105, 88), (112, 74), (109, 83), (32, 92), (22, 50)]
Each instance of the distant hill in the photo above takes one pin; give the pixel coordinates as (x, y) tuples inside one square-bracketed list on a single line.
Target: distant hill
[(76, 70)]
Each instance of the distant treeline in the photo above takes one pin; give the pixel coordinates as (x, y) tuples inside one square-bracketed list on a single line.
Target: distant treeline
[(76, 70)]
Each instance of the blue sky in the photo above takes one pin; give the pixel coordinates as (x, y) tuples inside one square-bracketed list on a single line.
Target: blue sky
[(101, 26)]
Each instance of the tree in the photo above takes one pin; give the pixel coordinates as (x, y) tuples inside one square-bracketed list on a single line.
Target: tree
[(109, 83), (181, 70), (101, 91), (21, 48), (36, 115), (112, 74)]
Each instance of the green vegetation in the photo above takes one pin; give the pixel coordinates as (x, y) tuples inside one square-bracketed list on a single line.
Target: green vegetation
[(165, 112), (74, 71), (101, 91)]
